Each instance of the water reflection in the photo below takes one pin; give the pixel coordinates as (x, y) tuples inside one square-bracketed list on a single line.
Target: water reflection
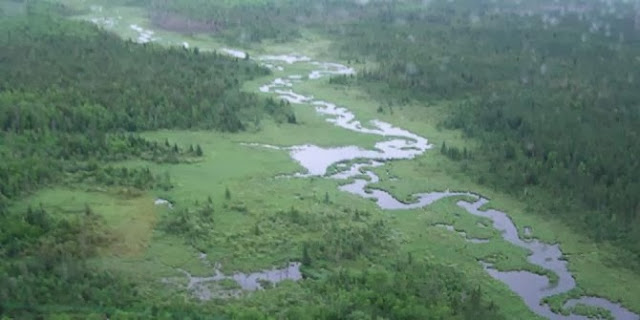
[(207, 288)]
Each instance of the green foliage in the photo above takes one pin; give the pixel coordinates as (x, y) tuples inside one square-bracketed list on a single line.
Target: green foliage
[(348, 255), (27, 284), (227, 194), (417, 291), (306, 259), (71, 99), (454, 153), (60, 109), (555, 107), (148, 93), (199, 152), (274, 109), (357, 239), (340, 80), (41, 159), (351, 271), (191, 224)]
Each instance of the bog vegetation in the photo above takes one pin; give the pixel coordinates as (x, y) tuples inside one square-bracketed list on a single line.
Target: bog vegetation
[(72, 101), (553, 103)]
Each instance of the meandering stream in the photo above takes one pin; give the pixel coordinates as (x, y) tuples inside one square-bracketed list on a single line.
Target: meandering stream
[(397, 143)]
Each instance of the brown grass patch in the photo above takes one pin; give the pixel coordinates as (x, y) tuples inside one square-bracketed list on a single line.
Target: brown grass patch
[(132, 227)]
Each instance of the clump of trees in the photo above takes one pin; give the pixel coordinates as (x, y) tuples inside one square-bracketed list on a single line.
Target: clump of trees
[(454, 153), (192, 224), (62, 246), (341, 79), (417, 290), (349, 241)]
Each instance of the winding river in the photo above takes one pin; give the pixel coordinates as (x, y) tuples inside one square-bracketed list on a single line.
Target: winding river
[(396, 143), (353, 162)]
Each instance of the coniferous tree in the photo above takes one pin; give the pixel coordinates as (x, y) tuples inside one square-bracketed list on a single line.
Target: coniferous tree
[(306, 258)]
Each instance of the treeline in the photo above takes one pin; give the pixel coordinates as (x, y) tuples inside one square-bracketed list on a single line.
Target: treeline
[(553, 97), (70, 76), (241, 21), (69, 92), (32, 160), (252, 21)]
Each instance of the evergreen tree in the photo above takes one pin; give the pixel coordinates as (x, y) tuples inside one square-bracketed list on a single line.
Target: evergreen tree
[(306, 258)]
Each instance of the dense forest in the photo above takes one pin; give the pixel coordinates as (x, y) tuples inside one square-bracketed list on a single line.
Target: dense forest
[(73, 99), (551, 94)]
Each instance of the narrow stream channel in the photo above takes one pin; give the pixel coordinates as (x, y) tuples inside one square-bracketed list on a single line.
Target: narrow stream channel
[(397, 144)]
